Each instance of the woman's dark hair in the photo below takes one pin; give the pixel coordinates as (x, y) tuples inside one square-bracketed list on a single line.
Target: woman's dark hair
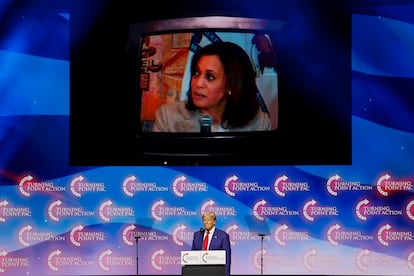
[(242, 105)]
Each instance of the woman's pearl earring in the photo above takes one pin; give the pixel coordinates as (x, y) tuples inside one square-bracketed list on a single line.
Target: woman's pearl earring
[(229, 93)]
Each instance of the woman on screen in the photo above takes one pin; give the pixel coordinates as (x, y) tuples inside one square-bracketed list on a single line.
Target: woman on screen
[(222, 90)]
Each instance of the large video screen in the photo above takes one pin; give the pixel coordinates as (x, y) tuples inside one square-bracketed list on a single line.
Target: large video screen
[(272, 104)]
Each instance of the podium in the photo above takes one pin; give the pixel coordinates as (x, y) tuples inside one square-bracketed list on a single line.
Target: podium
[(203, 263)]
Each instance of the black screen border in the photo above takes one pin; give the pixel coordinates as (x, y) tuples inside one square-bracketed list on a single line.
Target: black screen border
[(314, 120)]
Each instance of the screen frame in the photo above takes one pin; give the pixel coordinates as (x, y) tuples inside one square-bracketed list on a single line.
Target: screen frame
[(203, 148), (314, 115)]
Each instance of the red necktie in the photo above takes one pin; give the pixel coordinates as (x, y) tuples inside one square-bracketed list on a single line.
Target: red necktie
[(205, 242)]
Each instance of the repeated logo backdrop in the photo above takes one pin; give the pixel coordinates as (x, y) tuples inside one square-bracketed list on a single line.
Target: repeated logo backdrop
[(60, 220), (101, 220)]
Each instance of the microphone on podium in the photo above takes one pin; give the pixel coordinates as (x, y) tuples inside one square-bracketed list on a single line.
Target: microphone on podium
[(205, 123)]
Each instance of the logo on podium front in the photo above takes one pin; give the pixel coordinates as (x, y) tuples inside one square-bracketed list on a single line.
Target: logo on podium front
[(203, 257)]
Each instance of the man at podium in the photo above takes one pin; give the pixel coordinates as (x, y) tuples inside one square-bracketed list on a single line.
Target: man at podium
[(211, 238)]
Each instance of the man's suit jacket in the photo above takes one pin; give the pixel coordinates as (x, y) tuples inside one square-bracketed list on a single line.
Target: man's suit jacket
[(220, 240)]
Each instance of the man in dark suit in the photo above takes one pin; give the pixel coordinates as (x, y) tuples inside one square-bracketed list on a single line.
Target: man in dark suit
[(216, 239)]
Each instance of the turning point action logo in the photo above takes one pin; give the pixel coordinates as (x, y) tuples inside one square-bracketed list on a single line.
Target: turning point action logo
[(335, 184), (106, 261), (260, 210), (158, 211), (131, 185), (27, 185), (335, 235), (363, 210), (56, 211), (129, 235), (365, 259), (233, 185), (28, 236), (56, 260)]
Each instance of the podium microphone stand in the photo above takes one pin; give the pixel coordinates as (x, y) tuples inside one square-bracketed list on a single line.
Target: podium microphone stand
[(262, 229), (261, 235), (136, 246)]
